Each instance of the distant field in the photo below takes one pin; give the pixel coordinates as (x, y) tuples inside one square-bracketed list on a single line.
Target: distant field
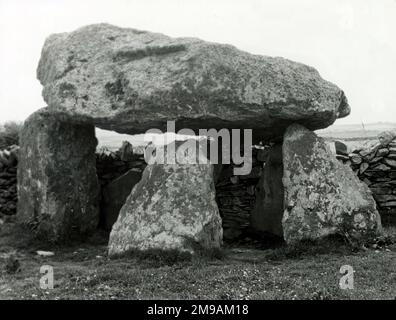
[(356, 131), (353, 134), (113, 140)]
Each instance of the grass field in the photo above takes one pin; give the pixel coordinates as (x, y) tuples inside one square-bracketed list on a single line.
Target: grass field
[(361, 131), (308, 271)]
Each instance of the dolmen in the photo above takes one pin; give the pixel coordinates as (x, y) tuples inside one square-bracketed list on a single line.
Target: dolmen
[(131, 81)]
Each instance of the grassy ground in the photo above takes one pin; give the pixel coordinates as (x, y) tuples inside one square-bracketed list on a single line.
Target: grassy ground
[(309, 271)]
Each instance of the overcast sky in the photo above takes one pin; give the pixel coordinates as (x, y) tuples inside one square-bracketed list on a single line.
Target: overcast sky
[(351, 42)]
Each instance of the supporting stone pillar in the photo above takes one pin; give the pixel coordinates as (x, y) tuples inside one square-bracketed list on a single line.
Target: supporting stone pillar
[(267, 213), (323, 196), (173, 207), (58, 188)]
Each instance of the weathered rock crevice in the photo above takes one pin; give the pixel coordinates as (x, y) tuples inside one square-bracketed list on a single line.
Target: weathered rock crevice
[(268, 210)]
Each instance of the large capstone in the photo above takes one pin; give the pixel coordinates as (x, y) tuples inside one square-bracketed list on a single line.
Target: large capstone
[(173, 207), (267, 213), (130, 80), (57, 183), (322, 196)]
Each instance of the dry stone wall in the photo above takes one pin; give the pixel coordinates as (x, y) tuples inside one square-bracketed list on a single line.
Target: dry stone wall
[(376, 166), (8, 180), (110, 166), (236, 196)]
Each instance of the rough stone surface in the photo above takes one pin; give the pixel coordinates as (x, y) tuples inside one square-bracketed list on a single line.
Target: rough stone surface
[(386, 137), (115, 195), (341, 148), (267, 213), (173, 207), (57, 184), (322, 196), (126, 152), (129, 81)]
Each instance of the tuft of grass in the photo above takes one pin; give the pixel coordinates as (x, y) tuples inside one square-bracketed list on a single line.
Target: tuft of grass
[(334, 244), (157, 258)]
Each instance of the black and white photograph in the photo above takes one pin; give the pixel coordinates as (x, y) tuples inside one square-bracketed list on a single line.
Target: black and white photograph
[(201, 157)]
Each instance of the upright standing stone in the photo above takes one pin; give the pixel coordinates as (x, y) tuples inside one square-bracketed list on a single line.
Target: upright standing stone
[(268, 210), (322, 196), (126, 151), (57, 183), (172, 207)]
